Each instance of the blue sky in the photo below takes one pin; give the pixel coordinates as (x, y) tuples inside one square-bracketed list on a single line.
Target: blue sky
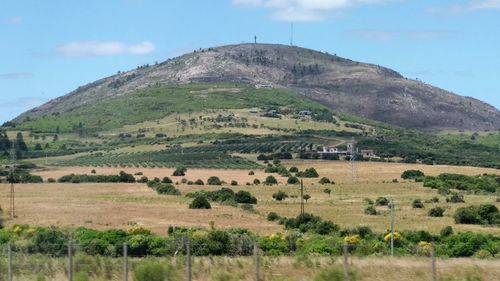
[(49, 48)]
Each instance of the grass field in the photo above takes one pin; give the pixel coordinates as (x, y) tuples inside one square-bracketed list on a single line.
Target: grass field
[(105, 206), (272, 269)]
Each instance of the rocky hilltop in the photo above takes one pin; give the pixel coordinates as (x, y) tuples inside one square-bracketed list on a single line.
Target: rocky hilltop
[(344, 85)]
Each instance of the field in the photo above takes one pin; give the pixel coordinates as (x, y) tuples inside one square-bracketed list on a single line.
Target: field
[(272, 269), (105, 206)]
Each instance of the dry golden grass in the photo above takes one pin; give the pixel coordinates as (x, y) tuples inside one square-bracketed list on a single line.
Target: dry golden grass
[(105, 206), (120, 205), (289, 269)]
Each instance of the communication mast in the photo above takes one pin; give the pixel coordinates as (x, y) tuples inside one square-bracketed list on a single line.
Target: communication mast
[(291, 34), (352, 153)]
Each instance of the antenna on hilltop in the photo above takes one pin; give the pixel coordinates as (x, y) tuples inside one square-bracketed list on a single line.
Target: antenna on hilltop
[(255, 39), (291, 34)]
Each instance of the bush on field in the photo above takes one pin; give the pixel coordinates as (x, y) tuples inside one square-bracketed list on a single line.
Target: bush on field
[(455, 198), (272, 216), (417, 204), (382, 201), (167, 189), (292, 180), (121, 177), (280, 196), (270, 180), (486, 214), (436, 212), (180, 172), (200, 203), (370, 210), (213, 180), (308, 173), (412, 174)]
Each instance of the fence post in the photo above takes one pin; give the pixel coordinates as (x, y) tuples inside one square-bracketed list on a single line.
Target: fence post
[(70, 260), (188, 259), (257, 261), (433, 263), (346, 262), (125, 262), (9, 257)]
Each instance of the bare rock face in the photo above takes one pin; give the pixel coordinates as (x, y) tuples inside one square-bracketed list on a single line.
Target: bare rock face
[(360, 89)]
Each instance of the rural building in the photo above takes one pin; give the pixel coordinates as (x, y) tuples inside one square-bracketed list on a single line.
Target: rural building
[(368, 153)]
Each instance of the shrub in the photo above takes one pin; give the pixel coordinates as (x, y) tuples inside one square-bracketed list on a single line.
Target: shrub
[(248, 208), (167, 189), (308, 173), (214, 181), (29, 178), (93, 171), (446, 231), (270, 180), (294, 170), (417, 204), (412, 174), (166, 180), (234, 183), (200, 203), (436, 212), (199, 182), (368, 201), (482, 214), (455, 198), (272, 216), (327, 191), (245, 197), (251, 173), (324, 180), (280, 196), (292, 180), (180, 172), (256, 181), (51, 180), (306, 197), (370, 210), (382, 201), (143, 179)]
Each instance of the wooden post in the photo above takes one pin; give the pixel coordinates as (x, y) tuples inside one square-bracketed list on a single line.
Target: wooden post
[(433, 263), (125, 262), (9, 257), (346, 262), (70, 260), (302, 210), (392, 227), (257, 261), (188, 259)]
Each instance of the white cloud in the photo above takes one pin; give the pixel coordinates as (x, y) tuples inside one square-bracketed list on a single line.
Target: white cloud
[(304, 10), (16, 75), (14, 20), (471, 6), (95, 49)]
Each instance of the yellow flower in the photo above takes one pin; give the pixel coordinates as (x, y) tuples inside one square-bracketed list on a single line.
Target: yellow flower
[(397, 237), (424, 248), (18, 229), (352, 240), (31, 232), (139, 230)]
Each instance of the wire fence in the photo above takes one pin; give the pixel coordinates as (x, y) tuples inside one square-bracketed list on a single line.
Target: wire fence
[(70, 261)]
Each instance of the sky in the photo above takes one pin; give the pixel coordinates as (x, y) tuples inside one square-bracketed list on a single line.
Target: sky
[(49, 48)]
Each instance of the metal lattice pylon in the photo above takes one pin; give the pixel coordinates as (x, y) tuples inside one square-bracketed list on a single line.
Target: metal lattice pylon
[(352, 153)]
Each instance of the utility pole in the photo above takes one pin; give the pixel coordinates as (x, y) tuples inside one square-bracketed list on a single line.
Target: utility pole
[(392, 227), (302, 211), (255, 39), (351, 151)]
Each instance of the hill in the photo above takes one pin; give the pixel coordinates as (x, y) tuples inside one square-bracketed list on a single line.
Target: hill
[(340, 84)]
